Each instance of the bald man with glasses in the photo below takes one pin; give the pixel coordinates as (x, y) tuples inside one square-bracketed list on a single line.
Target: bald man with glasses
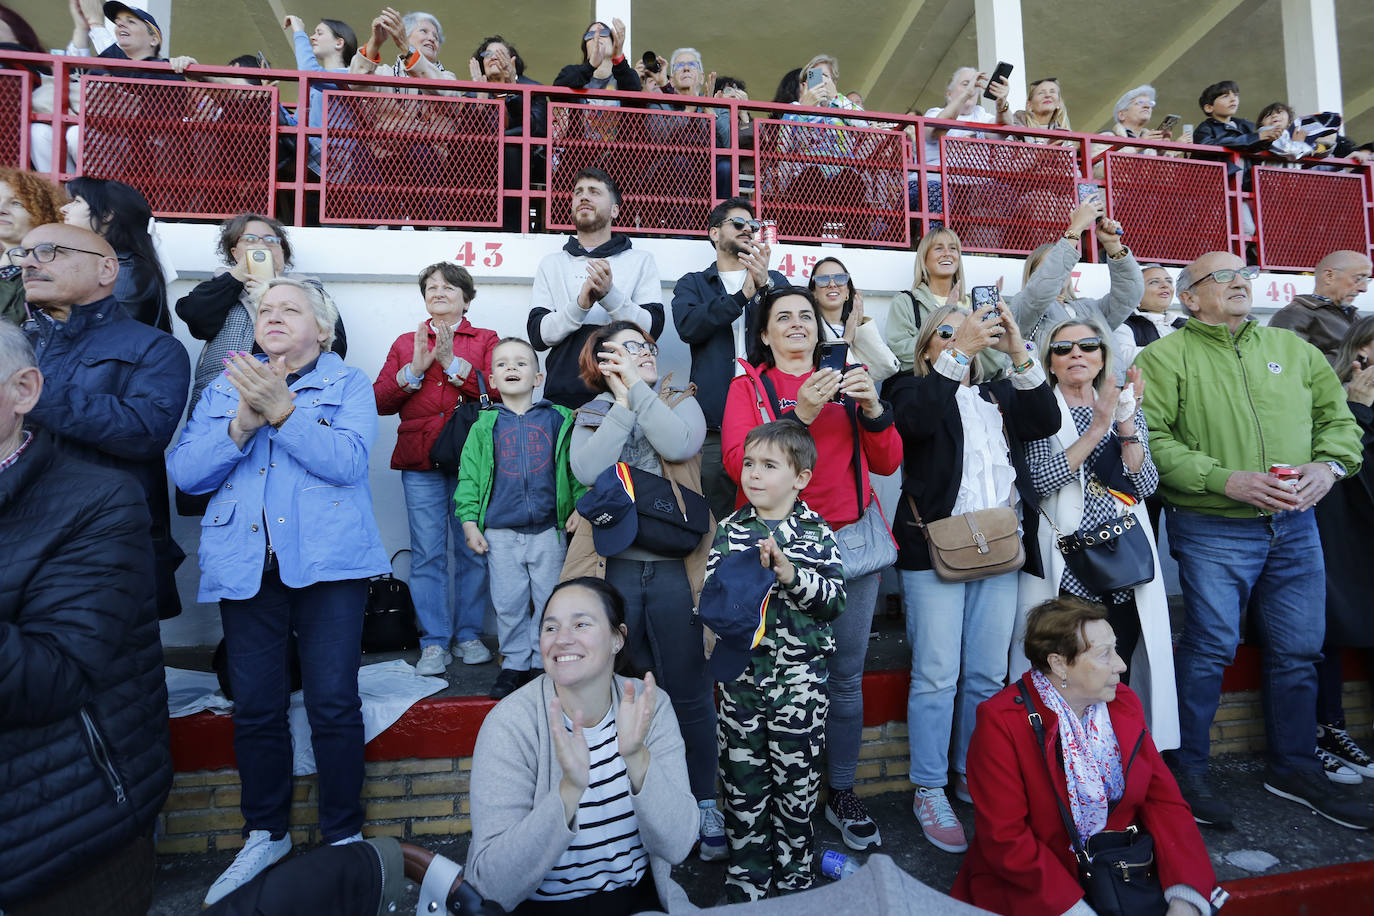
[(115, 389), (1227, 400)]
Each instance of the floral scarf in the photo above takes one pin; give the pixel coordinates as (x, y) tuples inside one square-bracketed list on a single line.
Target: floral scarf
[(1092, 758)]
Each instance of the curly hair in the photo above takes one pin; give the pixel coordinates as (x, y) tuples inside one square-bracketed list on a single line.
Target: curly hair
[(41, 198)]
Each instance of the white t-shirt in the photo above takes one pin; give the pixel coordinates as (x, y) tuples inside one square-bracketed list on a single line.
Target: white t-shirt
[(978, 116), (733, 281)]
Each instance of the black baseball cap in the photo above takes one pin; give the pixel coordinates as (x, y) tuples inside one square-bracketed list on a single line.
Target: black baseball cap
[(734, 604)]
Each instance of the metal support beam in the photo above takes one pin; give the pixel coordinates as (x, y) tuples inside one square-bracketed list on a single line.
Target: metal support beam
[(1172, 48), (998, 23), (1359, 105), (606, 10), (1311, 59), (900, 31)]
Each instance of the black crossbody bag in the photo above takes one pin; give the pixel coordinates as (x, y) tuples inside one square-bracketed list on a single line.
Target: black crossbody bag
[(1116, 867)]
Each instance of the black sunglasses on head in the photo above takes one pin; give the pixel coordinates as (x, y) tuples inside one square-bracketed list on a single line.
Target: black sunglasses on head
[(1086, 344)]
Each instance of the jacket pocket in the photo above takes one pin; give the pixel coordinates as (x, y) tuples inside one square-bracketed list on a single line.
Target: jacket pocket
[(106, 373), (102, 757)]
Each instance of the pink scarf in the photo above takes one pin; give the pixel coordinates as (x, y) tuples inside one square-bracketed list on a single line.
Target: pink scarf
[(1092, 758)]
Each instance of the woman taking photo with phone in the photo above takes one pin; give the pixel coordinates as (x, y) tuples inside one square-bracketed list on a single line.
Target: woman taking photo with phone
[(962, 453), (854, 435), (1094, 471), (842, 319)]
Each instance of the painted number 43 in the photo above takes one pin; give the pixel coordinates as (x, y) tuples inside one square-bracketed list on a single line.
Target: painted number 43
[(467, 255)]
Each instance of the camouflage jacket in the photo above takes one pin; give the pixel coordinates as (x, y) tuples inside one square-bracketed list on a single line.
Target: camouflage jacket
[(797, 630)]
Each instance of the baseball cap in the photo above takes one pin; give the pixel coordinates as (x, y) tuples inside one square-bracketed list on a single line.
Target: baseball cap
[(734, 604), (114, 8), (610, 508)]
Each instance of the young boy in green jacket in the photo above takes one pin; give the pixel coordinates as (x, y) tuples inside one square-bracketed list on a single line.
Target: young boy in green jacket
[(515, 495)]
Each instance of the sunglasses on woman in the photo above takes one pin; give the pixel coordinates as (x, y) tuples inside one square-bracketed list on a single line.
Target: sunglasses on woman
[(596, 33), (832, 279), (1086, 344), (945, 332)]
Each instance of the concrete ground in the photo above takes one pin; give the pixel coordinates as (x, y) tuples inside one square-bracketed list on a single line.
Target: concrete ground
[(1293, 835)]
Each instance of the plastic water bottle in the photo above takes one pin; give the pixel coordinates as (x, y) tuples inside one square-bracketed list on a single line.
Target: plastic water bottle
[(837, 865)]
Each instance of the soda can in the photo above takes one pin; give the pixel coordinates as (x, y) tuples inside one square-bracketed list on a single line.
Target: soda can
[(1284, 472), (769, 232)]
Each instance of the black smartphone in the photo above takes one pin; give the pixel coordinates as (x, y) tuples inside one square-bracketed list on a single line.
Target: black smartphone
[(834, 354), (1362, 360), (1168, 124), (1002, 72), (985, 296), (651, 62)]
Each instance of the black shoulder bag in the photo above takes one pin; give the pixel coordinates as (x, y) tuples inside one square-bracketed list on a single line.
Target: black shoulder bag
[(447, 451), (1116, 867), (389, 615)]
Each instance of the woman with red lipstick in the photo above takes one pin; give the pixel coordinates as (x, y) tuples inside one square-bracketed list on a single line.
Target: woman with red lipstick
[(1097, 754)]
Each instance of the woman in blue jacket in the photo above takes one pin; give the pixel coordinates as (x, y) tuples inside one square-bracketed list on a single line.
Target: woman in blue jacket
[(287, 544)]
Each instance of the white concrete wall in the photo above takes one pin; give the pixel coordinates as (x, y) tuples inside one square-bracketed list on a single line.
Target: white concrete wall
[(372, 276)]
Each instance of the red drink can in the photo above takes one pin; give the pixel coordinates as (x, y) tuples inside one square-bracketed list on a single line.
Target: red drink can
[(1285, 472), (768, 230)]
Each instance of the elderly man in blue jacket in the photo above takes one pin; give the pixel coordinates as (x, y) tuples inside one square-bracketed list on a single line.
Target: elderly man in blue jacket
[(116, 388), (84, 759)]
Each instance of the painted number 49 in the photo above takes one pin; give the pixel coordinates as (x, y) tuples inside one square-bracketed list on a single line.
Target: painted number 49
[(1287, 292)]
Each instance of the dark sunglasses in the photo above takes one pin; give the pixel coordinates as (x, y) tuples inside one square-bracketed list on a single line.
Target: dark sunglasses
[(1086, 344), (596, 33), (945, 331), (831, 279), (740, 222)]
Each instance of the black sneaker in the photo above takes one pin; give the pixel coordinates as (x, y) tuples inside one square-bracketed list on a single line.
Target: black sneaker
[(1316, 792), (1336, 770), (846, 812), (1207, 807), (1337, 742), (507, 682)]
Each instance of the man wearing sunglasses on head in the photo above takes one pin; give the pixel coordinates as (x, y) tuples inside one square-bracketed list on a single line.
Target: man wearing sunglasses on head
[(1227, 401), (712, 310)]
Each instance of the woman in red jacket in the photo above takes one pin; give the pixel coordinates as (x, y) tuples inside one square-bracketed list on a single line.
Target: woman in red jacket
[(1105, 768), (428, 372), (784, 354)]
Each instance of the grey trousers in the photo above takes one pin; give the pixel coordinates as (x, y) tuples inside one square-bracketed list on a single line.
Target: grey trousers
[(522, 568)]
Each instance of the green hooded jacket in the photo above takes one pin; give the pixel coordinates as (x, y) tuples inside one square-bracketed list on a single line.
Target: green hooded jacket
[(477, 470)]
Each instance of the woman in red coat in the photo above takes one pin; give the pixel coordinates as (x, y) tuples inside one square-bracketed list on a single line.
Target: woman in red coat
[(428, 372), (1106, 771)]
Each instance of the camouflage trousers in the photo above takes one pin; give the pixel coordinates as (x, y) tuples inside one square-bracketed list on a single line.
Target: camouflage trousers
[(770, 739)]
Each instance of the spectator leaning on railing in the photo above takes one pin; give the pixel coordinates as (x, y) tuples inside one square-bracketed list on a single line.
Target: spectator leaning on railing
[(1045, 110), (603, 63), (1323, 317)]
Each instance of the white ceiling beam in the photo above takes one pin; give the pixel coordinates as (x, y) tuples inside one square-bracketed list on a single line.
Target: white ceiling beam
[(900, 31), (1172, 49)]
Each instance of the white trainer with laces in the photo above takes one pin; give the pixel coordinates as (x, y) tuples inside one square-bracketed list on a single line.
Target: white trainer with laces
[(474, 652), (433, 660), (258, 854)]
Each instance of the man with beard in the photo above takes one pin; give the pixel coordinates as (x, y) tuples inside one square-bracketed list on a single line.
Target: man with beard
[(712, 309), (597, 278)]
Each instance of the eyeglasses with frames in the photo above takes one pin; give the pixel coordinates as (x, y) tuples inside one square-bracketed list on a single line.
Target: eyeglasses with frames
[(635, 347), (1086, 344), (46, 253), (686, 65), (1222, 277), (945, 331), (831, 279), (740, 222), (596, 33), (252, 239)]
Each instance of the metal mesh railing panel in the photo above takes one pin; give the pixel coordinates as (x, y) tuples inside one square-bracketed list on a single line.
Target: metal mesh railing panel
[(14, 118), (191, 148), (663, 162), (411, 160), (1003, 196), (1172, 210), (1305, 215), (832, 183)]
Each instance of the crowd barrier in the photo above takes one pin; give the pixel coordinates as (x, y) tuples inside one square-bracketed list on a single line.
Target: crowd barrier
[(203, 150)]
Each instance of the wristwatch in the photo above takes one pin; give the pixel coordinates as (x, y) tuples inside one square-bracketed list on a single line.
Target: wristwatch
[(1338, 469)]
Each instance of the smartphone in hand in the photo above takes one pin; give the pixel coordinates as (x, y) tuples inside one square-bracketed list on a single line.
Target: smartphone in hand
[(260, 266), (814, 78), (984, 296), (1168, 124), (1002, 72)]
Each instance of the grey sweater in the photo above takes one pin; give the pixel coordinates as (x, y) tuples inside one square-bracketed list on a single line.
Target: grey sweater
[(1037, 307), (637, 435), (519, 830)]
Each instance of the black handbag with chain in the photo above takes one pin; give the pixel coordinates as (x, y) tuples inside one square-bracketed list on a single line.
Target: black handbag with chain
[(1114, 556), (1115, 867)]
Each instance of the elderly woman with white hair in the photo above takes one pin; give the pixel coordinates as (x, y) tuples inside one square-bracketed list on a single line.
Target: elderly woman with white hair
[(287, 545), (1096, 472), (1131, 120), (419, 36)]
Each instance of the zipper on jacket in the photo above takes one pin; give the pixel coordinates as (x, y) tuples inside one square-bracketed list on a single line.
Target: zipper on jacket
[(101, 753), (1249, 399)]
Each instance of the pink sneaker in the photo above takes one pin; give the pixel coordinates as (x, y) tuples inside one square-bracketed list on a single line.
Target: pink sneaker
[(937, 819)]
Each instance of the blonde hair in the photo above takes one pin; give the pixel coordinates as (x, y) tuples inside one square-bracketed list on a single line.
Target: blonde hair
[(325, 311), (1091, 324), (823, 59), (919, 276), (932, 324), (1059, 118)]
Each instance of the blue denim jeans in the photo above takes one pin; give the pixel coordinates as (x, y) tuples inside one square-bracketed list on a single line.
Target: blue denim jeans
[(844, 725), (443, 615), (959, 633), (328, 620), (1221, 562)]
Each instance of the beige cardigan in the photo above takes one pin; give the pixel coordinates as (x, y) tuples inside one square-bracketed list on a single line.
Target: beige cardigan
[(518, 827)]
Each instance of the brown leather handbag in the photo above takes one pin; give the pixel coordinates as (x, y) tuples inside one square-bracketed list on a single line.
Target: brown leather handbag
[(974, 545)]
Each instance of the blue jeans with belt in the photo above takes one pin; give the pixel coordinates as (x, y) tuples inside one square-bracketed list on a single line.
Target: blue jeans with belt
[(327, 618), (1221, 563)]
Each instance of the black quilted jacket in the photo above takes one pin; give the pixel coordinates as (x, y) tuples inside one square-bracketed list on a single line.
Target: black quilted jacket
[(84, 758)]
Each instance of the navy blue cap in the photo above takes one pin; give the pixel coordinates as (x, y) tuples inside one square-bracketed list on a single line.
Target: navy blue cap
[(734, 604), (114, 8), (610, 508)]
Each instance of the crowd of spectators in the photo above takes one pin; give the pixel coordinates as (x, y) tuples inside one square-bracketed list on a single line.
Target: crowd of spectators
[(1066, 414)]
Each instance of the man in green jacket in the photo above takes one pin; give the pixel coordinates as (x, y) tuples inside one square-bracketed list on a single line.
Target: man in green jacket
[(1228, 399)]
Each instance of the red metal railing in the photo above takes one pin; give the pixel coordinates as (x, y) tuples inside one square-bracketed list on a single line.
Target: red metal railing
[(441, 160)]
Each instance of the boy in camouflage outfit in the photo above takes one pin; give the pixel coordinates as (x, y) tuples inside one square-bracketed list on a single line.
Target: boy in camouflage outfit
[(772, 716)]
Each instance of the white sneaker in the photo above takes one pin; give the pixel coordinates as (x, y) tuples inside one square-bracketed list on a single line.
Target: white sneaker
[(355, 838), (257, 855), (474, 652), (433, 660)]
